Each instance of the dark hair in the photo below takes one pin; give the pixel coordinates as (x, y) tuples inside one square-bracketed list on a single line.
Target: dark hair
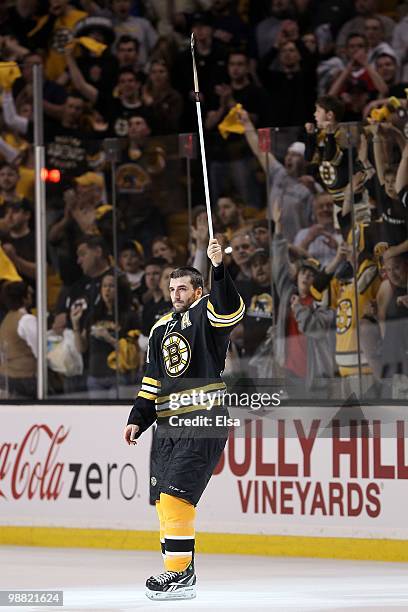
[(234, 197), (8, 165), (127, 39), (128, 70), (166, 240), (332, 103), (377, 19), (22, 204), (160, 61), (156, 261), (356, 35), (95, 242), (124, 299), (194, 275), (238, 51), (390, 170), (13, 294)]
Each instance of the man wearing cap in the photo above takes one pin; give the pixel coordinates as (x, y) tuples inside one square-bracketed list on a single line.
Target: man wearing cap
[(98, 66), (257, 296), (321, 239), (296, 200)]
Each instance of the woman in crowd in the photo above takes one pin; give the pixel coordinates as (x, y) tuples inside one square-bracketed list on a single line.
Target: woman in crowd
[(105, 341), (18, 341), (164, 103), (165, 248)]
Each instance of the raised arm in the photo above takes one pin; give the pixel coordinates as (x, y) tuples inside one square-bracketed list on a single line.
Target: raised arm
[(225, 307), (86, 89), (401, 180), (280, 253), (251, 136)]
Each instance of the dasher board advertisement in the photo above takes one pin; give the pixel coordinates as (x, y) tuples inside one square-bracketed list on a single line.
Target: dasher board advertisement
[(288, 472)]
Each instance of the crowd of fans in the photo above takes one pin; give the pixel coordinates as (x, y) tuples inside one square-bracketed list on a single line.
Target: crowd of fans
[(308, 182)]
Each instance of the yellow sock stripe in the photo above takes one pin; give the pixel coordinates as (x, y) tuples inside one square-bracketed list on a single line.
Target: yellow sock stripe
[(226, 316)]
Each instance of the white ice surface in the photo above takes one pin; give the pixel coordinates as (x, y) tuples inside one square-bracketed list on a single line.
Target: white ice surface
[(111, 581)]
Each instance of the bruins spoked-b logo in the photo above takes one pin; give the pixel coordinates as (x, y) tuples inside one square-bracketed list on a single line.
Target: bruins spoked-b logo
[(344, 316), (176, 354), (328, 173)]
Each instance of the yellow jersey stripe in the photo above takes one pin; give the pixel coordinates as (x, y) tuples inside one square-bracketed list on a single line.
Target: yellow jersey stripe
[(226, 324), (226, 316), (161, 321), (146, 395), (212, 387), (151, 381), (167, 413)]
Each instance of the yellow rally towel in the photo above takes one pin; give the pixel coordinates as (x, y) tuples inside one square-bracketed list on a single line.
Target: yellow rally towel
[(8, 270), (102, 210), (231, 123), (129, 353), (90, 178), (9, 72), (91, 44)]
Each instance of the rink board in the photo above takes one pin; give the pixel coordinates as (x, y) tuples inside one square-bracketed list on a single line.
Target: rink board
[(298, 482)]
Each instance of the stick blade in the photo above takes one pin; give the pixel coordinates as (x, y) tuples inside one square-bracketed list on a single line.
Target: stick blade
[(192, 42)]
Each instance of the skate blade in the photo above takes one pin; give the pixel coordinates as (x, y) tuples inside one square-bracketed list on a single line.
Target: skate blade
[(185, 593)]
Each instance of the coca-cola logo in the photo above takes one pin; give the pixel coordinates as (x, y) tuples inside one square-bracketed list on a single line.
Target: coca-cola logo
[(30, 468)]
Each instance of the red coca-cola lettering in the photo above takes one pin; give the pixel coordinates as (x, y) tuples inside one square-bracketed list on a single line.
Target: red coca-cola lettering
[(43, 478)]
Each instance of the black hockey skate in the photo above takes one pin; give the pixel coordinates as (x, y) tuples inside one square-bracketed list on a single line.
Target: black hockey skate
[(172, 585)]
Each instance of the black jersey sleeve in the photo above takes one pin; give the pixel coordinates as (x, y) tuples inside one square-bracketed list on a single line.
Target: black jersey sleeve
[(225, 307), (143, 412), (332, 151)]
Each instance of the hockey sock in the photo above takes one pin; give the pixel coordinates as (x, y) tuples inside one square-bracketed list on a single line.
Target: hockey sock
[(161, 521), (179, 516)]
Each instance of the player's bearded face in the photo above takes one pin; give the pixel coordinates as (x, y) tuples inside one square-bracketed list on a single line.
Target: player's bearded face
[(182, 293)]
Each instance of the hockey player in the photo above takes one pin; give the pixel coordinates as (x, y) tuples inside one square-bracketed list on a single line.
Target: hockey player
[(185, 359)]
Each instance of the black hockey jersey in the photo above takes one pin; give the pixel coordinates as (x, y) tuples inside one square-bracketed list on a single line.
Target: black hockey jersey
[(186, 355), (331, 154)]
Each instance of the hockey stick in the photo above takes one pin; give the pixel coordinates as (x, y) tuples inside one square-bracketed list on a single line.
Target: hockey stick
[(202, 147)]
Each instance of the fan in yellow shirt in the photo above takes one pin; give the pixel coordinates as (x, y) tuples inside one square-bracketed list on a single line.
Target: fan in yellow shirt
[(58, 28)]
